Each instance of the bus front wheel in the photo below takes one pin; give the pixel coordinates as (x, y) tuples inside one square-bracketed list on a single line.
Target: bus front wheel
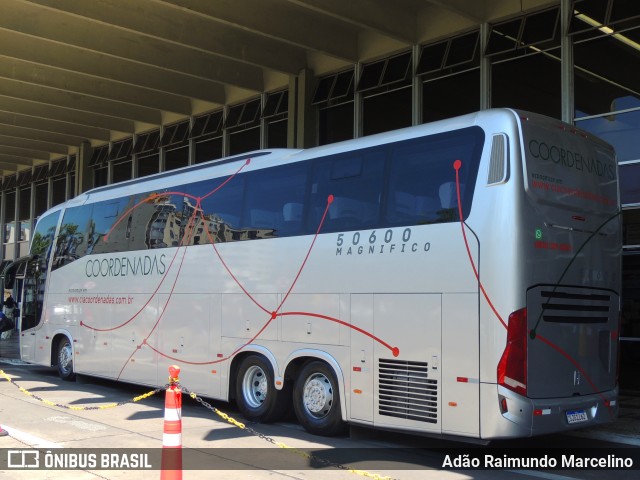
[(316, 400), (65, 359), (256, 395)]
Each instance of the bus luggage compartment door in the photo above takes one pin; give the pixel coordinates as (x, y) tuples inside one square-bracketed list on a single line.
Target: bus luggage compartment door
[(407, 352), (362, 367)]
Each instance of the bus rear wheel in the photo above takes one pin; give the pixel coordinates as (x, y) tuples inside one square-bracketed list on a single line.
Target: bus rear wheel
[(65, 360), (316, 400), (256, 395)]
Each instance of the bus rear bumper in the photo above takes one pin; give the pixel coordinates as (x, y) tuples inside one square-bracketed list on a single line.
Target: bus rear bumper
[(527, 417)]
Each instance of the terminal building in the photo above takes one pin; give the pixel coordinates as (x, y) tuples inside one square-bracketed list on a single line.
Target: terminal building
[(94, 93)]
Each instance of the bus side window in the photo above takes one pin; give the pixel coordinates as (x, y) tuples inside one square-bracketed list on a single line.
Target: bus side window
[(221, 209), (448, 195), (413, 197), (422, 177), (274, 201), (408, 208), (355, 180)]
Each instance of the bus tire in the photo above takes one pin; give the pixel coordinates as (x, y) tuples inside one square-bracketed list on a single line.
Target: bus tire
[(65, 360), (316, 400), (256, 394)]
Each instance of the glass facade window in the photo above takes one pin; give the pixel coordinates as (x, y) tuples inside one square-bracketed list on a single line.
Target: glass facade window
[(451, 96), (602, 79), (630, 321), (450, 72), (335, 123), (208, 150), (277, 133), (620, 129), (526, 63), (631, 229), (121, 171), (24, 212), (630, 183), (9, 217), (607, 98), (607, 102), (41, 198), (101, 175), (385, 86), (530, 83), (334, 97), (176, 158), (58, 190), (387, 111), (148, 165), (245, 140)]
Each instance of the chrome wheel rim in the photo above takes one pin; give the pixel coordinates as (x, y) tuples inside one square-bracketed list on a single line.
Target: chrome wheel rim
[(254, 386), (65, 359), (317, 395)]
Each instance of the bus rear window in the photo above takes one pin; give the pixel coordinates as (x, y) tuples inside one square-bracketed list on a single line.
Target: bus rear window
[(567, 168)]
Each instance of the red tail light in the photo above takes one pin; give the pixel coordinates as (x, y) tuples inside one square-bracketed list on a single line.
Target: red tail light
[(512, 368)]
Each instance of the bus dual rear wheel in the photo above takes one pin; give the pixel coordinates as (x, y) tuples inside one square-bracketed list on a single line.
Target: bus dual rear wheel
[(256, 395), (316, 400)]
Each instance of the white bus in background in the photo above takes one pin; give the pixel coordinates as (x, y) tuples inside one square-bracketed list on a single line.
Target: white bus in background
[(340, 279)]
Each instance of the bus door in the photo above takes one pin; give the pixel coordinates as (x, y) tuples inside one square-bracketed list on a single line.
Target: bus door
[(18, 279), (31, 307)]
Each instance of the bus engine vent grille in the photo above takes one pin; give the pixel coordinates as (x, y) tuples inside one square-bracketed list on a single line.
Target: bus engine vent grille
[(498, 161), (406, 391), (570, 307)]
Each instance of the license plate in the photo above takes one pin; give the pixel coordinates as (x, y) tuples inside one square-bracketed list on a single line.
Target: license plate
[(577, 416)]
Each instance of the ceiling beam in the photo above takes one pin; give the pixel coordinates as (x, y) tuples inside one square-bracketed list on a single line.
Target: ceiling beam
[(275, 19), (77, 101), (474, 11), (382, 16), (74, 59), (61, 28), (56, 128), (32, 135), (7, 166), (16, 69), (182, 27), (40, 110), (23, 156), (33, 145)]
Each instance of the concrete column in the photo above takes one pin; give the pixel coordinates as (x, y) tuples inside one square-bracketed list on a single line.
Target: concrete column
[(357, 103), (307, 119), (416, 88), (84, 180), (485, 69), (292, 112), (566, 69), (2, 200)]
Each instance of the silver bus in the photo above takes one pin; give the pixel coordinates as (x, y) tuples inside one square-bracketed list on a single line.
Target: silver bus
[(457, 278)]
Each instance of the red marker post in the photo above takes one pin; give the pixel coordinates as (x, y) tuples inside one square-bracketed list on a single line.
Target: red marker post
[(172, 435)]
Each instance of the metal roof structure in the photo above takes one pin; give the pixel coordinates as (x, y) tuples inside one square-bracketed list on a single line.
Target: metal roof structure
[(102, 70)]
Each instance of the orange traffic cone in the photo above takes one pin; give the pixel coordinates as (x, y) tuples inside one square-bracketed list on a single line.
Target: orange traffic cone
[(172, 436)]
